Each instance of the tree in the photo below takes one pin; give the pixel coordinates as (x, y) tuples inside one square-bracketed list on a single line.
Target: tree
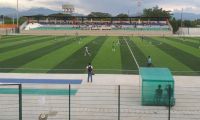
[(175, 24), (122, 16), (188, 23), (156, 12), (159, 12), (99, 14)]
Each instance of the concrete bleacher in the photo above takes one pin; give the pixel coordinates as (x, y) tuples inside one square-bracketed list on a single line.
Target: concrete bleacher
[(99, 100)]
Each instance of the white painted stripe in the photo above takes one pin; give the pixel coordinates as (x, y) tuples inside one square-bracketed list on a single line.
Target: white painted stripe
[(132, 55)]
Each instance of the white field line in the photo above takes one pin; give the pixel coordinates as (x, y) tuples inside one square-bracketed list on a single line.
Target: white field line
[(132, 54)]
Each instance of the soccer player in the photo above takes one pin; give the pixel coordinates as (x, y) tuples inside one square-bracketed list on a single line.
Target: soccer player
[(65, 36), (79, 42), (164, 36), (113, 46), (86, 51), (142, 38), (55, 38), (118, 43)]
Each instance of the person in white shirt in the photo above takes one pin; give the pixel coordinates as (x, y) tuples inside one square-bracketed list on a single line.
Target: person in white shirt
[(86, 51)]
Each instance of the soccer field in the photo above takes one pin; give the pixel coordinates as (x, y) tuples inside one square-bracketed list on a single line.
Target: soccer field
[(65, 54)]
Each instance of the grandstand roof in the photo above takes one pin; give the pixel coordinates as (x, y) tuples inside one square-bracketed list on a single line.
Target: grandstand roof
[(67, 6), (67, 16)]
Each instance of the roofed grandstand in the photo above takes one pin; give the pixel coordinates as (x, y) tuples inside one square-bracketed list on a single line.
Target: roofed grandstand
[(130, 24)]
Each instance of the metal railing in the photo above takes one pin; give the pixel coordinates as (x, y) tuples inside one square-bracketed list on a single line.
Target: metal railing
[(92, 102)]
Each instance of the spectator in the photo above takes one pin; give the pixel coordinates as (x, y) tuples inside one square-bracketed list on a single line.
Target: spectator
[(90, 72), (149, 61), (158, 95)]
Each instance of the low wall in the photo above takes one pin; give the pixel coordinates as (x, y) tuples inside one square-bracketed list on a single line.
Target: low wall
[(8, 26), (188, 31), (7, 31), (96, 32)]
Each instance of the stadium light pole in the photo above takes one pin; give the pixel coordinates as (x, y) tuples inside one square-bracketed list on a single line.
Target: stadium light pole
[(182, 21), (128, 12), (17, 15), (3, 19), (13, 19)]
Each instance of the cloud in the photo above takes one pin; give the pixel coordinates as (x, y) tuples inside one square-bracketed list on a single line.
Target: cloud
[(110, 6)]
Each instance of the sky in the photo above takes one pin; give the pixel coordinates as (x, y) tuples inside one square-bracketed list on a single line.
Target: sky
[(110, 6)]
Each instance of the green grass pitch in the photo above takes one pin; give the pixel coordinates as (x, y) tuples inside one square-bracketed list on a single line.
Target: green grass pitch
[(65, 54)]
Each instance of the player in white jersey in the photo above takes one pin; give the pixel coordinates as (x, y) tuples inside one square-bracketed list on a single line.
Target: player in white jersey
[(113, 46), (86, 51)]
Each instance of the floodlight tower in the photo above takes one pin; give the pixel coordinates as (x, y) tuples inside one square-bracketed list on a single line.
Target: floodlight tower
[(139, 3), (182, 22), (17, 13), (17, 16), (68, 8)]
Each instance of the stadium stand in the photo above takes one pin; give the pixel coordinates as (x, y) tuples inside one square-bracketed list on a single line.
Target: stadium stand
[(97, 26)]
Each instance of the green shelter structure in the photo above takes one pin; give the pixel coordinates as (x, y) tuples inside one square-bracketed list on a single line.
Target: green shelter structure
[(157, 87)]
